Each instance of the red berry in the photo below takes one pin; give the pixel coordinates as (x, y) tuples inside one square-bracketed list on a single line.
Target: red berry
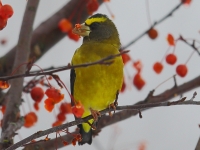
[(126, 58), (78, 110), (55, 94), (3, 23), (6, 11), (170, 40), (30, 119), (171, 59), (36, 106), (57, 123), (153, 34), (138, 81), (65, 108), (186, 2), (61, 117), (137, 65), (92, 6), (73, 36), (37, 94), (65, 25), (3, 108), (4, 85), (49, 104), (158, 67), (181, 70)]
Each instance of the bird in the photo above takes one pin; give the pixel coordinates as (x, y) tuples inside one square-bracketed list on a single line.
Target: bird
[(96, 86)]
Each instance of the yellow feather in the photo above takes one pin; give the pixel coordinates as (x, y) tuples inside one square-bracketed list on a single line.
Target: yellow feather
[(96, 86), (89, 21)]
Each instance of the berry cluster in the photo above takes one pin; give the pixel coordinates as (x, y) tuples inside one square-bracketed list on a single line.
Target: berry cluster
[(171, 59), (66, 27), (137, 81), (30, 119), (78, 109), (54, 97), (37, 95), (92, 6), (6, 12), (64, 109)]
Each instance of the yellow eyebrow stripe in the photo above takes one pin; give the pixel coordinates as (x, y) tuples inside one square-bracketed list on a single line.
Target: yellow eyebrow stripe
[(91, 20)]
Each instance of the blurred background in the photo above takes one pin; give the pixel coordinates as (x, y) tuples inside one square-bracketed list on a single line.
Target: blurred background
[(163, 128)]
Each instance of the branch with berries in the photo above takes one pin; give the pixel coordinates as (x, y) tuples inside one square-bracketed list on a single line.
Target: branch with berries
[(137, 107)]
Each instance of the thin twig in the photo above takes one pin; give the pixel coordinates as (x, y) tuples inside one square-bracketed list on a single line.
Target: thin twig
[(104, 61), (191, 45), (156, 23)]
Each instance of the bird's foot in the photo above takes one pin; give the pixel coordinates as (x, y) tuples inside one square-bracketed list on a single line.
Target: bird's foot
[(113, 106), (95, 114), (93, 126)]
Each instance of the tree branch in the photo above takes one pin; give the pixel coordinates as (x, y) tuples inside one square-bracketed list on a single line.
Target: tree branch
[(125, 114), (149, 102), (105, 61), (13, 99), (156, 23), (47, 34)]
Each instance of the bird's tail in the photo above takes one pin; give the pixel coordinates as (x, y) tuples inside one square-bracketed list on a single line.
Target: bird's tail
[(86, 136)]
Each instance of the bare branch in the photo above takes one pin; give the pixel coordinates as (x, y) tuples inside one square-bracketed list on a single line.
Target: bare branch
[(191, 45), (47, 34), (81, 120), (13, 99), (104, 61), (156, 23), (124, 114)]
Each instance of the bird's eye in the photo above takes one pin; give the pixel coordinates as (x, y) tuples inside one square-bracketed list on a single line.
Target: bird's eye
[(94, 24)]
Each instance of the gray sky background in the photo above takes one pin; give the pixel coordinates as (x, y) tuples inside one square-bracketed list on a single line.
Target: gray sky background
[(164, 128)]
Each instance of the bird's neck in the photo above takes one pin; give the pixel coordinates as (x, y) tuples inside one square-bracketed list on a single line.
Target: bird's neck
[(113, 40)]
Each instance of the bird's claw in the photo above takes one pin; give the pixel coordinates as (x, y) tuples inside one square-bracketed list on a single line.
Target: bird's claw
[(113, 106), (95, 114)]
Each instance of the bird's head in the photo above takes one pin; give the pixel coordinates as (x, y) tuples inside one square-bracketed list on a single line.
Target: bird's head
[(98, 28)]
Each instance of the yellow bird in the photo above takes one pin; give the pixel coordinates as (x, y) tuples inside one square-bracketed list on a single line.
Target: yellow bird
[(96, 86)]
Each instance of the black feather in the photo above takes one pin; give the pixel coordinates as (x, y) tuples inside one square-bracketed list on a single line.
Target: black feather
[(86, 136), (72, 80)]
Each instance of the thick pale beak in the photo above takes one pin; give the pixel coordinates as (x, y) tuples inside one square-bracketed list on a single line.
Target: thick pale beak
[(81, 30)]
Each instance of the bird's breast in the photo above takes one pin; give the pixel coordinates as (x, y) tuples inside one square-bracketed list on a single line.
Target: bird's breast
[(96, 86)]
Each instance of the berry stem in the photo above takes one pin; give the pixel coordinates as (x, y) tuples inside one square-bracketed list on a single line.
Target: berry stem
[(67, 91), (14, 71), (80, 12), (44, 75), (164, 81), (189, 57), (109, 10), (75, 10), (148, 12), (165, 54)]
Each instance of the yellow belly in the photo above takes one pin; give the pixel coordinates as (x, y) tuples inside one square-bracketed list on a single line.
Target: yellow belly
[(96, 86)]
